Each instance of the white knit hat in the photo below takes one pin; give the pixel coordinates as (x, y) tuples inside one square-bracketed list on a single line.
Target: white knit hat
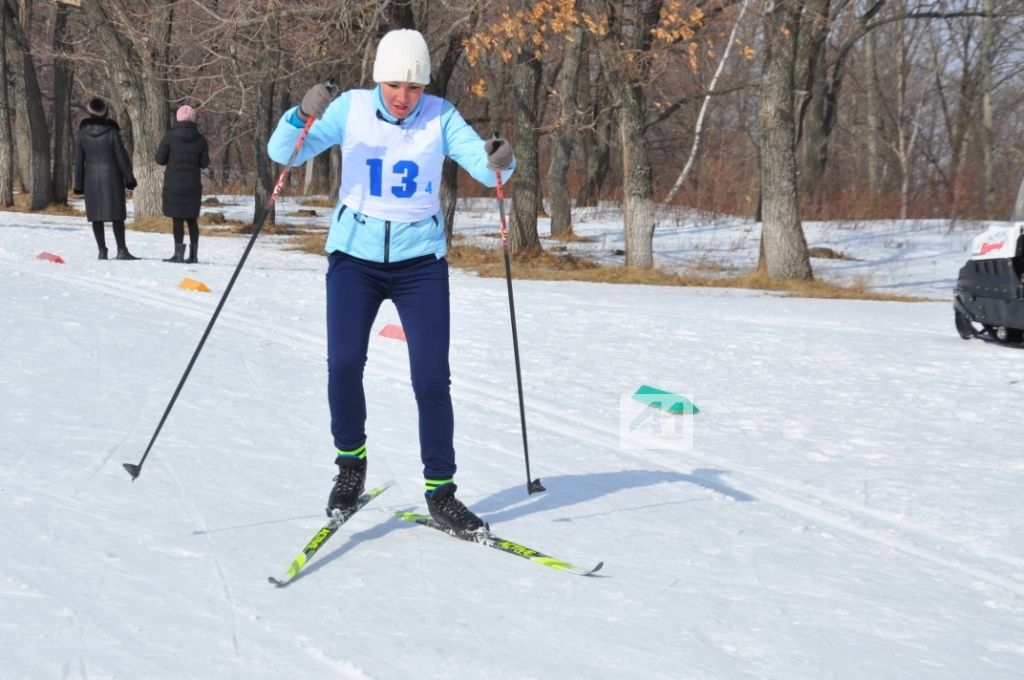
[(402, 57)]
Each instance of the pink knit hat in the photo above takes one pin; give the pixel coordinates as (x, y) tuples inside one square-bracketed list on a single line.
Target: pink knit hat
[(186, 112)]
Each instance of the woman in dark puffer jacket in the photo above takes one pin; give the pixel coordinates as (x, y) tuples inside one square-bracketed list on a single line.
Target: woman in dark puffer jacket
[(102, 172), (183, 152)]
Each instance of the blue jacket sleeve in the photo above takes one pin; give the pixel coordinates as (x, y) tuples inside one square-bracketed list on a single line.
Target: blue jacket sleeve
[(323, 134), (463, 145)]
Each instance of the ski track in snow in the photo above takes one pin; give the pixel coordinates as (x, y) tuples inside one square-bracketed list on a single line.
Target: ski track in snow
[(879, 544), (208, 537), (816, 506)]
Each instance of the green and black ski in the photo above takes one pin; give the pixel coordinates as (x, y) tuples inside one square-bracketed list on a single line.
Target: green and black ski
[(485, 537), (326, 531)]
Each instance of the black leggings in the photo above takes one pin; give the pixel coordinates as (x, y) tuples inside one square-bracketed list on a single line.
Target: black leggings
[(97, 231), (179, 230)]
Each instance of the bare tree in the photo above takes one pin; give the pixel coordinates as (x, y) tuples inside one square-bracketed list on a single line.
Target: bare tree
[(988, 117), (873, 116), (136, 39), (699, 127), (35, 143), (564, 135), (784, 247), (6, 138), (906, 106), (596, 127), (62, 85), (624, 45), (526, 198)]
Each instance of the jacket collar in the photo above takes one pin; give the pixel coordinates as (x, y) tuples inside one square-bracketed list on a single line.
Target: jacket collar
[(382, 109)]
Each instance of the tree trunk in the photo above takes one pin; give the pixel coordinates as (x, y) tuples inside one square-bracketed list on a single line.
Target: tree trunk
[(625, 58), (637, 189), (810, 82), (264, 166), (317, 180), (564, 137), (813, 138), (62, 84), (150, 119), (139, 60), (335, 174), (526, 199), (595, 147), (872, 115), (987, 115), (35, 143), (6, 137), (785, 247)]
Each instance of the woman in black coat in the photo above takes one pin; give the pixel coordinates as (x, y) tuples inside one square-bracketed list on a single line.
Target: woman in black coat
[(102, 172), (184, 152)]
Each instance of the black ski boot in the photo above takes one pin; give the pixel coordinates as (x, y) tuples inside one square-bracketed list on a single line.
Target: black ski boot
[(123, 254), (193, 253), (448, 511), (348, 484), (103, 253), (179, 253)]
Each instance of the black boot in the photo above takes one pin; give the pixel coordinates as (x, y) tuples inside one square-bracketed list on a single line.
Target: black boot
[(348, 484), (448, 511), (179, 253), (193, 253), (122, 247), (103, 253)]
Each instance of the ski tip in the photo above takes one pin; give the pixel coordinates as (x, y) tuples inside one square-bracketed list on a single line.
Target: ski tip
[(595, 569), (276, 582), (133, 470)]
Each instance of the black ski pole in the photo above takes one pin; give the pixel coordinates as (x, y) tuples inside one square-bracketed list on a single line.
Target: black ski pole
[(134, 469), (534, 485)]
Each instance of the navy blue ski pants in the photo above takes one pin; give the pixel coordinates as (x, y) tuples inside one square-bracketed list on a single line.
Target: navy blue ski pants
[(419, 290)]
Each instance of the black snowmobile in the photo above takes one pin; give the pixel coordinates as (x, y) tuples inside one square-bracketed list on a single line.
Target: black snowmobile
[(988, 301)]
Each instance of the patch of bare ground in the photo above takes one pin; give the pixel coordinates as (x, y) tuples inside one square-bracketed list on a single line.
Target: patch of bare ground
[(21, 203), (318, 201), (162, 225), (553, 267), (557, 266)]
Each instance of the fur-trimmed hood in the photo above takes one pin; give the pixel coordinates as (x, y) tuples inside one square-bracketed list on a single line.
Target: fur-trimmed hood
[(98, 126)]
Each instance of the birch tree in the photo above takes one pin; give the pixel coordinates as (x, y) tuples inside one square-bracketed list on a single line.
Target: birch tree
[(699, 126)]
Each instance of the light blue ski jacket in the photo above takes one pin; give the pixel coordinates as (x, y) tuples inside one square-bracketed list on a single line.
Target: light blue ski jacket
[(372, 238)]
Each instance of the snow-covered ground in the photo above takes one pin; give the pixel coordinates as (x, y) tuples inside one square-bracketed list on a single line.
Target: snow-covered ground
[(847, 504)]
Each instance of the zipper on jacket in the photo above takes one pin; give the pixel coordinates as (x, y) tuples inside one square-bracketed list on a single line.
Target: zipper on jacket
[(387, 239)]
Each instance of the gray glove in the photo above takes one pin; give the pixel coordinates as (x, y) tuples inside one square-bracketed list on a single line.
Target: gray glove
[(315, 102), (499, 153)]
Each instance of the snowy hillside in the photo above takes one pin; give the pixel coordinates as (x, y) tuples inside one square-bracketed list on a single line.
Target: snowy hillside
[(847, 504)]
